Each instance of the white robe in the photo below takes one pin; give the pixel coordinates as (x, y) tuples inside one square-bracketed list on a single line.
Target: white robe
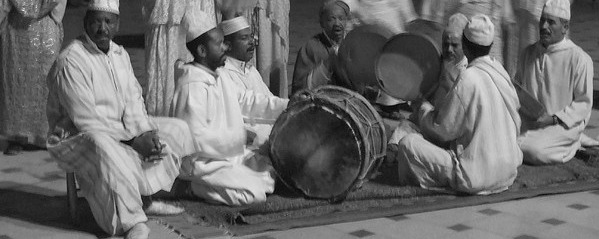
[(560, 77), (479, 123), (246, 77), (94, 104), (225, 171)]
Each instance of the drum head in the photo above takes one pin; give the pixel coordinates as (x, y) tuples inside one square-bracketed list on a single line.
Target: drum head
[(315, 150), (357, 56), (408, 65)]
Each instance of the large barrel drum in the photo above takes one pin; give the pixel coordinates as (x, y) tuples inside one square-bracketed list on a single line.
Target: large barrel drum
[(328, 143)]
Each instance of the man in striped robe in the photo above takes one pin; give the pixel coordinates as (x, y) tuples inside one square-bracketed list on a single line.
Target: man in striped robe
[(100, 130)]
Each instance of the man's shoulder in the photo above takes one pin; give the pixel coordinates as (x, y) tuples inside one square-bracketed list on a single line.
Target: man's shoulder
[(187, 73)]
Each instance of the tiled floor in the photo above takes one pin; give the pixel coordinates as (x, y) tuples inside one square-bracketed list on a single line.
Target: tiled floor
[(574, 215)]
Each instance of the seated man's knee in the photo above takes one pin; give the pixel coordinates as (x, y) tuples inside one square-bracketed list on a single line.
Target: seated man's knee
[(407, 142), (538, 154)]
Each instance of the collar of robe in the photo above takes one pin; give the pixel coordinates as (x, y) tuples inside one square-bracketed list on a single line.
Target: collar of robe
[(237, 65), (559, 46), (93, 48)]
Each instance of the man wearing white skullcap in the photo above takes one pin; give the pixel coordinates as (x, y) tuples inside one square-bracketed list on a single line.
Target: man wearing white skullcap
[(559, 75), (453, 57), (224, 170), (239, 70), (468, 143), (101, 131)]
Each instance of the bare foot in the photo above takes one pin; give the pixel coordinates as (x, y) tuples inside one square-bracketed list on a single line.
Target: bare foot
[(162, 208), (139, 231)]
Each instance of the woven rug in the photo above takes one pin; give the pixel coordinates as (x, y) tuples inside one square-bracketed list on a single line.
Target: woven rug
[(377, 198)]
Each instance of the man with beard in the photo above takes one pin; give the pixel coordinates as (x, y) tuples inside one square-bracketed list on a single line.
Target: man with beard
[(454, 60), (315, 61), (224, 170), (242, 73), (559, 75), (100, 129)]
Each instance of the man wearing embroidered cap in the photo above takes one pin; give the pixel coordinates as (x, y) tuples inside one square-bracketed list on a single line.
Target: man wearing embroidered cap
[(559, 75), (475, 129), (100, 130), (224, 169), (237, 69)]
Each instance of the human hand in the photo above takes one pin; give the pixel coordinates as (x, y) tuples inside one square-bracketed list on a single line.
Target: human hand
[(544, 121), (148, 145)]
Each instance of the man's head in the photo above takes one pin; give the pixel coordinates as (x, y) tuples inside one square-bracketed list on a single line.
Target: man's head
[(333, 19), (101, 22), (452, 38), (239, 38), (554, 23), (478, 37), (204, 40), (209, 48)]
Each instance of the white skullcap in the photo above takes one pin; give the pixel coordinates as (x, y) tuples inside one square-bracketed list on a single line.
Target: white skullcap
[(111, 6), (457, 23), (480, 30), (197, 23), (234, 25), (558, 8)]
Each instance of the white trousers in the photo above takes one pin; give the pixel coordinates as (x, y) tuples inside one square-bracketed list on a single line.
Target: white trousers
[(236, 181), (550, 145), (113, 178)]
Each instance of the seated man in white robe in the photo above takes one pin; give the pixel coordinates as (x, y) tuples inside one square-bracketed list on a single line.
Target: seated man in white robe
[(477, 127), (239, 70), (454, 60), (559, 75), (225, 170), (99, 129)]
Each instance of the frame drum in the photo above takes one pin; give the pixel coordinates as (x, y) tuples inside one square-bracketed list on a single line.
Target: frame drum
[(357, 55), (408, 65), (327, 144)]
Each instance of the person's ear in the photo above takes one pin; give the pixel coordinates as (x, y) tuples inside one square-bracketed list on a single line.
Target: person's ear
[(202, 51), (566, 27)]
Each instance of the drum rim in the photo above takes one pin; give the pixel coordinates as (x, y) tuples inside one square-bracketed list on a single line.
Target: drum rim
[(378, 59)]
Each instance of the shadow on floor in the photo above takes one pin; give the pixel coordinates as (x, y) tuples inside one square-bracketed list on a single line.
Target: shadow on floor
[(46, 210)]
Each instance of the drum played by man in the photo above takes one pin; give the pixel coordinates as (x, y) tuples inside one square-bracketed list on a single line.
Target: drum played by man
[(559, 75), (477, 125), (224, 169)]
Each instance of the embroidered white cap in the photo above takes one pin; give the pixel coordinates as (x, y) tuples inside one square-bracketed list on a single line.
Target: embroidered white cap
[(111, 6), (558, 8), (197, 23), (480, 30), (234, 25), (457, 23)]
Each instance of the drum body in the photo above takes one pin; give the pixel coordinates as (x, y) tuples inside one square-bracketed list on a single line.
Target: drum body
[(409, 65), (328, 143)]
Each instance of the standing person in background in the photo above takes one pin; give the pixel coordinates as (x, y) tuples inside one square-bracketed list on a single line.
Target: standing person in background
[(30, 39), (269, 20), (162, 46), (501, 12)]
